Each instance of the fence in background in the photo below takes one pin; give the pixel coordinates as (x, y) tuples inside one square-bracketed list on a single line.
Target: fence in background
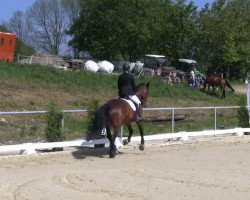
[(172, 109)]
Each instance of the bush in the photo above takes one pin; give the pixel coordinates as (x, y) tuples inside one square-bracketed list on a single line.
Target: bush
[(54, 118), (92, 109), (242, 115)]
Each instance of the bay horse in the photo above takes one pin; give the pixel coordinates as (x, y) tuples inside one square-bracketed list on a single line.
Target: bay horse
[(215, 80), (115, 113)]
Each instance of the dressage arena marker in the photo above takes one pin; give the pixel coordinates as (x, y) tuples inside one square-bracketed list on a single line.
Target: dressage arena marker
[(30, 148)]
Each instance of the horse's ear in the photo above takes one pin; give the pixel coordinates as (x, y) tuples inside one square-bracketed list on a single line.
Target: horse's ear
[(148, 85)]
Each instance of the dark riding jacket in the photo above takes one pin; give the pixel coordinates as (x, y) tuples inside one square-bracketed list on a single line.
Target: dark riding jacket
[(126, 85)]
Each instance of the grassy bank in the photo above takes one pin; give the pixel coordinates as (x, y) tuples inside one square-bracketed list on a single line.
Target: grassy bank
[(33, 87)]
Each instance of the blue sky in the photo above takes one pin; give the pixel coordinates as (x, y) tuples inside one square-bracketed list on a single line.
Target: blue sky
[(8, 7)]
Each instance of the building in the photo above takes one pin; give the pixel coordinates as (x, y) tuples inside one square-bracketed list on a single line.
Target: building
[(7, 46)]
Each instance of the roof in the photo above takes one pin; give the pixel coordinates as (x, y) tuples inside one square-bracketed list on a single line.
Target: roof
[(7, 33), (155, 56), (187, 60)]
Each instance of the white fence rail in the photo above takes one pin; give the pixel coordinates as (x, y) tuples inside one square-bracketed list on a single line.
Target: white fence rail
[(30, 148), (172, 109)]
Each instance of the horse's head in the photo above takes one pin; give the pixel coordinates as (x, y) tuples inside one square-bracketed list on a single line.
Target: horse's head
[(142, 93)]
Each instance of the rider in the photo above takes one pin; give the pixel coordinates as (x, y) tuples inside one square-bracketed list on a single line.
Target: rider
[(126, 87), (192, 78)]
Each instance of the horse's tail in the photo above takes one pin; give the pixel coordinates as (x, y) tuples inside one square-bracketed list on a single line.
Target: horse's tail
[(98, 123), (228, 85)]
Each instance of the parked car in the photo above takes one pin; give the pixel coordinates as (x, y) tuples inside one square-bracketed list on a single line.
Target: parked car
[(186, 65), (154, 61), (158, 65), (151, 63)]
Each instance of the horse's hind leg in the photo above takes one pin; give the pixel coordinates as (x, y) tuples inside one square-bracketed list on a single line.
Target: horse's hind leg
[(112, 146), (116, 134)]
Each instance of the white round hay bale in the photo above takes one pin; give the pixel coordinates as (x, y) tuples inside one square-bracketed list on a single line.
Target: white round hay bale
[(90, 65), (105, 66)]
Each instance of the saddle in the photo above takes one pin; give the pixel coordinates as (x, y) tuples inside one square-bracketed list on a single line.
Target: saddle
[(130, 102)]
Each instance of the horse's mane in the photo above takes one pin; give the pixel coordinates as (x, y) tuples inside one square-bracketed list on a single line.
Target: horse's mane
[(139, 86)]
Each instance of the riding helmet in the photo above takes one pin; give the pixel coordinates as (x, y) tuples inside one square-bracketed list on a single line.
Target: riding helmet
[(125, 67)]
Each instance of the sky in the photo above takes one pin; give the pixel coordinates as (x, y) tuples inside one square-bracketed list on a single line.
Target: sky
[(8, 7)]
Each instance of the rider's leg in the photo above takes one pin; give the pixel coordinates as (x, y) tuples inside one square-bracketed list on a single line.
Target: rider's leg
[(138, 106), (138, 111)]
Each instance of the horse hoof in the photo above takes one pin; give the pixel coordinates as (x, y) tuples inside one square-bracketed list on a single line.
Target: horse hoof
[(125, 142), (111, 155), (141, 147)]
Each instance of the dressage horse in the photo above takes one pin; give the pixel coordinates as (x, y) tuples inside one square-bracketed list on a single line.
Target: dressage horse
[(115, 113), (215, 80)]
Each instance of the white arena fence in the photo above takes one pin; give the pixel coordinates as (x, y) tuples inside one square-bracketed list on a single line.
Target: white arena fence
[(30, 148)]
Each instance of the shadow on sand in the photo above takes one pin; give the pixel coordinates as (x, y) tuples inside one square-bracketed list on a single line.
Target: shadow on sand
[(84, 152)]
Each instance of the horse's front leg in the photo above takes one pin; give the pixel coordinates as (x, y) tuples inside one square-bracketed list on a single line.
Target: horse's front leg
[(223, 93), (126, 141), (208, 88), (142, 146), (213, 89)]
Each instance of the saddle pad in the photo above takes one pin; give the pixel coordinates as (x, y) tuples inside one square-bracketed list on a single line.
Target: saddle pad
[(132, 105)]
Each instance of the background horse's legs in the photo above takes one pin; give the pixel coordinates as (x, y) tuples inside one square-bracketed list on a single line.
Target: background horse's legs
[(213, 89), (223, 92), (208, 88), (141, 147)]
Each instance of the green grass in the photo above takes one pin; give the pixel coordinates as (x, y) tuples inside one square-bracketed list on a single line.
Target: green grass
[(160, 95)]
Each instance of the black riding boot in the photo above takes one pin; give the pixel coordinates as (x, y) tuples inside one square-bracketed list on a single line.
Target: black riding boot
[(138, 113)]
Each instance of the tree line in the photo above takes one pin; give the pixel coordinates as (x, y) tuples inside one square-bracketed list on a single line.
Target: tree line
[(218, 35)]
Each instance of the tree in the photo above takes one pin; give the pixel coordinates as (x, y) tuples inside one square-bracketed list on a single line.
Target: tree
[(72, 9), (223, 36), (129, 29), (47, 23), (112, 29), (17, 25)]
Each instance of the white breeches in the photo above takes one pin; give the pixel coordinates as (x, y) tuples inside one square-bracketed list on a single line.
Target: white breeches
[(135, 99)]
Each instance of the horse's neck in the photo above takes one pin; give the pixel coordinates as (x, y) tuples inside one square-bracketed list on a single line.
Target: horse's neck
[(138, 95)]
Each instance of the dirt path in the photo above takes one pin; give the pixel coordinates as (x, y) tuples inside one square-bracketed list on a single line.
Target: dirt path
[(201, 169)]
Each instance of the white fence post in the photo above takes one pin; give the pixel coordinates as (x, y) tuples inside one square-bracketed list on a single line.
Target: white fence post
[(31, 59), (239, 132), (29, 148), (215, 118), (173, 120)]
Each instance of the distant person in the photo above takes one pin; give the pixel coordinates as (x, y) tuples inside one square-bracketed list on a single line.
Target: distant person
[(198, 78), (126, 87), (192, 78)]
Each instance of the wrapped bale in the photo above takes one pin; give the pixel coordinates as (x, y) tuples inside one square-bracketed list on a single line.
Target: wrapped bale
[(105, 66), (90, 65)]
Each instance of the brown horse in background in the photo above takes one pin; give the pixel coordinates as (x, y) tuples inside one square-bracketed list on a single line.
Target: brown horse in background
[(215, 80), (114, 114)]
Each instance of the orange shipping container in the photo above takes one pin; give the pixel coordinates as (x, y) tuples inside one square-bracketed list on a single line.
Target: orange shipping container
[(7, 46)]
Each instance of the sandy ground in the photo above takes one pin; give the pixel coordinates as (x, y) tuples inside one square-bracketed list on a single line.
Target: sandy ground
[(241, 89), (214, 168)]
